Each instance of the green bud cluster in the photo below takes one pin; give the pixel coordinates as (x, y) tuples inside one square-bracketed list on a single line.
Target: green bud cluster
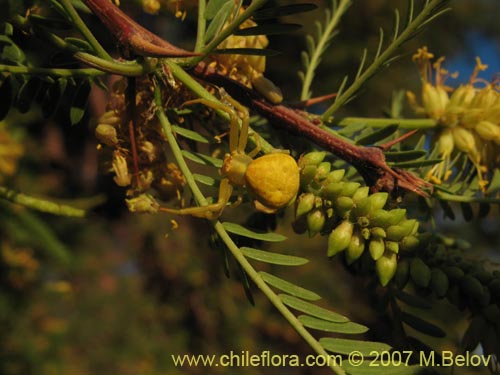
[(440, 268), (353, 219)]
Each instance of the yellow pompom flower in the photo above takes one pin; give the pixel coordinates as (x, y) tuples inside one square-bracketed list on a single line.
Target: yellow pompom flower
[(467, 117), (247, 69)]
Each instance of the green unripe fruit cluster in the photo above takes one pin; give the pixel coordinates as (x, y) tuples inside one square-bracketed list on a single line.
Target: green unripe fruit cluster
[(353, 219)]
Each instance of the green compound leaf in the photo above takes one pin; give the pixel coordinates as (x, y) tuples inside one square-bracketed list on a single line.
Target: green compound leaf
[(202, 158), (269, 29), (289, 287), (273, 258), (242, 231), (205, 180), (378, 135), (189, 134), (311, 309), (422, 325), (327, 326), (286, 10), (347, 346)]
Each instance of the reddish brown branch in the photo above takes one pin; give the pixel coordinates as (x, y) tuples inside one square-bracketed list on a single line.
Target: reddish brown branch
[(131, 35), (369, 161)]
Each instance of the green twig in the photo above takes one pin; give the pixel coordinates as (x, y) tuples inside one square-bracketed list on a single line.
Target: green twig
[(84, 30), (382, 59), (424, 123), (321, 47), (233, 248), (201, 92), (39, 204), (129, 69), (52, 72), (35, 231), (202, 22)]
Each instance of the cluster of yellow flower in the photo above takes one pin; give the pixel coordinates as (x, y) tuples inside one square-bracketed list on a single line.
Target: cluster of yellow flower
[(247, 69), (138, 163), (468, 117)]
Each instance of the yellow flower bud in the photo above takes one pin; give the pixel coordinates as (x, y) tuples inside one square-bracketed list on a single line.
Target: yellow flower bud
[(464, 140), (488, 131), (462, 97), (435, 99)]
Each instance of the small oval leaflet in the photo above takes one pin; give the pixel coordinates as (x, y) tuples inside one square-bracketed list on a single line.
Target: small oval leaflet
[(288, 287), (422, 325), (273, 258), (189, 134), (324, 325), (202, 158), (242, 231), (378, 135), (311, 309)]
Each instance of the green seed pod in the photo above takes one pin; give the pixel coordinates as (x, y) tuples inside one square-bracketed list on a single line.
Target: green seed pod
[(380, 218), (439, 282), (350, 188), (453, 273), (398, 232), (335, 176), (377, 232), (315, 221), (332, 190), (361, 193), (322, 170), (472, 288), (305, 203), (343, 205), (409, 243), (312, 158), (356, 248), (365, 232), (307, 174), (483, 276), (386, 267), (376, 248), (397, 215), (392, 246), (362, 207), (340, 238), (402, 273), (378, 200), (420, 272)]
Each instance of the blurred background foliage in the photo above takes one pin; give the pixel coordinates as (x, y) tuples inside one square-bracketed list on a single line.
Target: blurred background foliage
[(117, 293)]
